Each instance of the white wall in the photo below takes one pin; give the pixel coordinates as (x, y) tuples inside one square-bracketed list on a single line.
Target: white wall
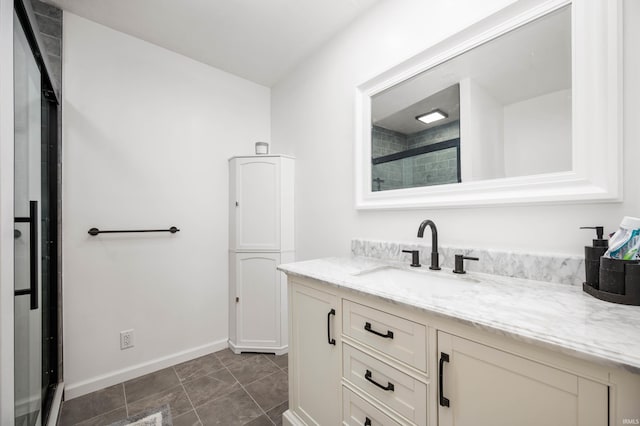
[(481, 133), (147, 135), (537, 135), (313, 118), (6, 212)]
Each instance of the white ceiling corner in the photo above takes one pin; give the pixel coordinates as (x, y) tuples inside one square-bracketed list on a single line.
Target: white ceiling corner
[(260, 40)]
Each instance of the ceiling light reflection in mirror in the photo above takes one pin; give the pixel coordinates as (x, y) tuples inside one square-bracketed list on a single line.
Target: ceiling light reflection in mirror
[(502, 109)]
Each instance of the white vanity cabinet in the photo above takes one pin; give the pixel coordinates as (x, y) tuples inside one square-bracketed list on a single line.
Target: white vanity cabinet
[(486, 386), (314, 356), (389, 362), (260, 238), (384, 356), (353, 364)]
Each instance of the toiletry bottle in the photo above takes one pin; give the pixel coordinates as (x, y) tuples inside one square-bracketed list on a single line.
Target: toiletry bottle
[(624, 243), (592, 256)]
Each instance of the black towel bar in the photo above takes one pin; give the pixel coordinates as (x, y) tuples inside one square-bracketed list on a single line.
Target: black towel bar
[(96, 231)]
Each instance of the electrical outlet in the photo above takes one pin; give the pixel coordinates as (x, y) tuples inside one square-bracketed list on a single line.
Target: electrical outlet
[(126, 339)]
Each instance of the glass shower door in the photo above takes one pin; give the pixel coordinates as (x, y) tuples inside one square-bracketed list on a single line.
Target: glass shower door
[(27, 242)]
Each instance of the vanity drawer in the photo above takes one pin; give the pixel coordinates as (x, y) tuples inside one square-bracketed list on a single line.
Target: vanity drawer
[(397, 390), (397, 337), (358, 412)]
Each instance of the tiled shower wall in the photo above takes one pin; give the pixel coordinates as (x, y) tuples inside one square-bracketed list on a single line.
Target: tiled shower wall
[(49, 20), (433, 168), (387, 142), (434, 135)]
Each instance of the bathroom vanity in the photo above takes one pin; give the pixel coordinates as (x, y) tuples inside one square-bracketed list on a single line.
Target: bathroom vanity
[(374, 342)]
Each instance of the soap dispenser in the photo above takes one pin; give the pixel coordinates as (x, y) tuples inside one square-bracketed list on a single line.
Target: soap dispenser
[(592, 256)]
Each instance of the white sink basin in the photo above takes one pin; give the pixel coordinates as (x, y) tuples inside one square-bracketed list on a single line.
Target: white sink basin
[(410, 277)]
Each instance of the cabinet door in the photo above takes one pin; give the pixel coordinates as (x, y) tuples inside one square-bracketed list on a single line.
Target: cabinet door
[(486, 386), (257, 204), (258, 306), (314, 356)]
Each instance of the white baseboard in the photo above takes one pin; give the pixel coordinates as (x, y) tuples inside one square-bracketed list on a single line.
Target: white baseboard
[(74, 390), (278, 350), (290, 419)]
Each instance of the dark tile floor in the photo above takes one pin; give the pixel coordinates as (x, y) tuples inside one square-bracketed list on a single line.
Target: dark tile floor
[(217, 389)]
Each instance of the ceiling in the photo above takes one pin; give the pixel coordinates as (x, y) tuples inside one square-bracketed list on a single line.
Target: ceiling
[(260, 40), (405, 121)]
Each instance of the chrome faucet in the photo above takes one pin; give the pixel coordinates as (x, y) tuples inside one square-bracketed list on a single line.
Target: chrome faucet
[(434, 242)]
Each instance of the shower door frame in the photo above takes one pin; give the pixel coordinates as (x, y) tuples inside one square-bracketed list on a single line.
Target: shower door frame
[(50, 111)]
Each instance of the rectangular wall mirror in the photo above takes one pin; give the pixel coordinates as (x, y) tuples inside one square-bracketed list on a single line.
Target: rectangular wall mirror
[(521, 107)]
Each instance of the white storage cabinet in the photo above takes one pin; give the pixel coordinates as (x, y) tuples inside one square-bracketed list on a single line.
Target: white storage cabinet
[(260, 238)]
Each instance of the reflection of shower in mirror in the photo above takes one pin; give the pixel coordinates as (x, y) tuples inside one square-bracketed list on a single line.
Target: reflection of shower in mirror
[(499, 110), (377, 181)]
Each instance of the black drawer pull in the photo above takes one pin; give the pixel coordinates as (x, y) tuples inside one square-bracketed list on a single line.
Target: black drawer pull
[(389, 386), (367, 421), (330, 340), (389, 335), (443, 358)]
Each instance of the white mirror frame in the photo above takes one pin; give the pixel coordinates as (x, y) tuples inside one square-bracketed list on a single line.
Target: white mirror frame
[(596, 36)]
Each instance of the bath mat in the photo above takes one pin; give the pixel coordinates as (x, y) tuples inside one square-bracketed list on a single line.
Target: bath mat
[(153, 417)]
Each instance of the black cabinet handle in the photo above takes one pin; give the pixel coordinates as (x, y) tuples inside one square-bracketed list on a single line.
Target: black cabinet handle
[(32, 291), (367, 421), (389, 386), (389, 335), (329, 339), (443, 358)]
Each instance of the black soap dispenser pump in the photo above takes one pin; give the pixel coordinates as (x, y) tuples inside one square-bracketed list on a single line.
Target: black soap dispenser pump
[(592, 256)]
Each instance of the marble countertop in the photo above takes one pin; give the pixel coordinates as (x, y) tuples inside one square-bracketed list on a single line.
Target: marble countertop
[(557, 316)]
